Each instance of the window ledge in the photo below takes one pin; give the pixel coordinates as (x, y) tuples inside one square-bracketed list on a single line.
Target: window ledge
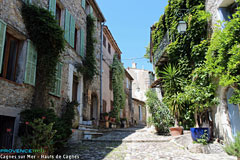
[(12, 82)]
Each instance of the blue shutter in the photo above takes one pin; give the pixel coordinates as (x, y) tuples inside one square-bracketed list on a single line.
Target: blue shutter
[(72, 31), (31, 64), (67, 25), (52, 6), (91, 11), (3, 26), (83, 4)]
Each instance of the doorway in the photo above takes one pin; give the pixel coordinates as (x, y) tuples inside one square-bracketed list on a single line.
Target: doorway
[(94, 108), (6, 131), (234, 114)]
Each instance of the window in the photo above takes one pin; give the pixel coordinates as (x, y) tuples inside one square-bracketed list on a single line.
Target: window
[(127, 83), (104, 41), (112, 105), (109, 48), (226, 13), (110, 80), (10, 58), (58, 14)]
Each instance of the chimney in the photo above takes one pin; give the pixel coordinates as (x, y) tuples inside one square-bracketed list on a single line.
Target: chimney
[(134, 65)]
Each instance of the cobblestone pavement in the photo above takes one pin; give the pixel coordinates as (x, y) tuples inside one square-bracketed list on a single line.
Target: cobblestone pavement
[(135, 146)]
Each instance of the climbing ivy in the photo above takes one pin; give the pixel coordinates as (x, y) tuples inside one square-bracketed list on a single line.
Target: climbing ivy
[(119, 96), (89, 65), (223, 56), (47, 37)]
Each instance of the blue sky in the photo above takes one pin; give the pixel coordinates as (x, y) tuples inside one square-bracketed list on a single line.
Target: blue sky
[(130, 22)]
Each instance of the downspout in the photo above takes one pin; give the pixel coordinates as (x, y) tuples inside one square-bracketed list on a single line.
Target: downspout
[(101, 68)]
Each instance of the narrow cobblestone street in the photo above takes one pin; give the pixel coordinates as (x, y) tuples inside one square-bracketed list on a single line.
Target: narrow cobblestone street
[(137, 144)]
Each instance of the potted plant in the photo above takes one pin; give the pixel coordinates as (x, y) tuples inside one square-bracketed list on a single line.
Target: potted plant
[(173, 83), (200, 94), (233, 148), (112, 116), (106, 116), (123, 122)]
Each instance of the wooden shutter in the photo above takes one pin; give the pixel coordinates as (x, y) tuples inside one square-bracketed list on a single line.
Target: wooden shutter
[(82, 42), (57, 87), (58, 80), (3, 26), (52, 6), (28, 1), (67, 25), (31, 64), (91, 11), (72, 31), (83, 4)]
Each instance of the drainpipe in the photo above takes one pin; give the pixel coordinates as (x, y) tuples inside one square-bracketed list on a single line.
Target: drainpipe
[(101, 68)]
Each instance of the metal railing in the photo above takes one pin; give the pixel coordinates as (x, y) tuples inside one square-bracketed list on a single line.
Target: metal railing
[(161, 48)]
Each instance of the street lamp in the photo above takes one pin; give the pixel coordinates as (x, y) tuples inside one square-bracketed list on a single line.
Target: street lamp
[(182, 27)]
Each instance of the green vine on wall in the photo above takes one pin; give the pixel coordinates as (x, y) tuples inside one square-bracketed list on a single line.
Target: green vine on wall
[(186, 50), (223, 56), (119, 97), (47, 37), (89, 65)]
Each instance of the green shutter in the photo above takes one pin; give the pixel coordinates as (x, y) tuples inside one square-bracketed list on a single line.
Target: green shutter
[(67, 27), (3, 26), (27, 1), (52, 6), (57, 87), (83, 4), (82, 42), (58, 79), (91, 11), (72, 31), (31, 64)]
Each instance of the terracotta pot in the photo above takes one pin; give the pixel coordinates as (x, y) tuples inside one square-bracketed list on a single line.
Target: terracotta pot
[(176, 131), (106, 118), (238, 158)]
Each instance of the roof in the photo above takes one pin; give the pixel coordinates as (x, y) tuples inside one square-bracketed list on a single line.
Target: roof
[(156, 83), (128, 75), (111, 39), (138, 100), (96, 8)]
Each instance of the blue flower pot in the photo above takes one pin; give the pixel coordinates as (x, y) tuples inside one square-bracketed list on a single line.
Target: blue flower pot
[(198, 132)]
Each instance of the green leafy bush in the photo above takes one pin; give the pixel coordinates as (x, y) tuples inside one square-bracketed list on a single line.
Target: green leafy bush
[(39, 135), (62, 125), (234, 147), (161, 117)]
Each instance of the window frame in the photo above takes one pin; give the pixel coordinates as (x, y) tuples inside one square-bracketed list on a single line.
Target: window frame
[(6, 54)]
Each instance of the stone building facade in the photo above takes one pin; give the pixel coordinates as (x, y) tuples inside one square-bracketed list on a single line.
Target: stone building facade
[(140, 112), (16, 84), (225, 116), (141, 83), (110, 48), (127, 112)]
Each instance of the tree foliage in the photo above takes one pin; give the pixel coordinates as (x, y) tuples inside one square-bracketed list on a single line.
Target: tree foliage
[(119, 97)]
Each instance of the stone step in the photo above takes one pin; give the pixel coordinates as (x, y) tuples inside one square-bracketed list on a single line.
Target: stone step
[(90, 134)]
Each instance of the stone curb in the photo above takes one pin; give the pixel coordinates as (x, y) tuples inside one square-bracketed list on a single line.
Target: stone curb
[(125, 141)]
